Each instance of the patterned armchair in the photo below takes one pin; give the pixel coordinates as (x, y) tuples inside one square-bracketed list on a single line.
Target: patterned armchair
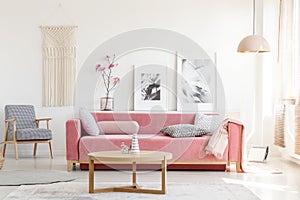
[(21, 127)]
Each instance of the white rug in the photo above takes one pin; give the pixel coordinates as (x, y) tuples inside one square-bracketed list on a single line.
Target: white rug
[(180, 191), (31, 177)]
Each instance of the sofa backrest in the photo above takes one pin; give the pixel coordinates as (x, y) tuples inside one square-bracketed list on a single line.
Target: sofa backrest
[(150, 123)]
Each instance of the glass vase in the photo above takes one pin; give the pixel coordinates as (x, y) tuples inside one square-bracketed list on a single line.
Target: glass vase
[(106, 103)]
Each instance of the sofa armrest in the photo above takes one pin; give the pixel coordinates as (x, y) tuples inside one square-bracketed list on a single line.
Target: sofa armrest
[(235, 148), (73, 135)]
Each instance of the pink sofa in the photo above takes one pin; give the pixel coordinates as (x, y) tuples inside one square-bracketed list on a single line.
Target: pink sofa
[(188, 153)]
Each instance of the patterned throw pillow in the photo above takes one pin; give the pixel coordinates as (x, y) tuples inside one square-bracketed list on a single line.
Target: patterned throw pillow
[(208, 123), (182, 130), (88, 122)]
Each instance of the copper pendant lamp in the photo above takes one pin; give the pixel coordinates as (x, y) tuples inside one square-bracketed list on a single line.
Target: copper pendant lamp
[(253, 43)]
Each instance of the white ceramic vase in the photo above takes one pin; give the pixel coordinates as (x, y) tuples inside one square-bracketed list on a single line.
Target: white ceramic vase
[(135, 149)]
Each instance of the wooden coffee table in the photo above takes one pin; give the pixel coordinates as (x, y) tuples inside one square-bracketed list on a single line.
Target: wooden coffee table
[(118, 157)]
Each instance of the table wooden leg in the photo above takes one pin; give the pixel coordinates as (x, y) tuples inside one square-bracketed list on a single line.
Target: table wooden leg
[(130, 188), (163, 175), (91, 175), (134, 173)]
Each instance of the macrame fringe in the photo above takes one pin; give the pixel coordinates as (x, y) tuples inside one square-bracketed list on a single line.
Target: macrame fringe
[(59, 64)]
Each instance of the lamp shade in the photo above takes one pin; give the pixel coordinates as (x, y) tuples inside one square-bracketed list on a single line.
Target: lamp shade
[(253, 43)]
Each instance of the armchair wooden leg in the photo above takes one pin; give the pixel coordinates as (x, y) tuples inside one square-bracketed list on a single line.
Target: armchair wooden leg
[(50, 147), (34, 149), (4, 149), (16, 150), (5, 140)]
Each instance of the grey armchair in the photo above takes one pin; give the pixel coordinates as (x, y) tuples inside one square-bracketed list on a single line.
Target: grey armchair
[(21, 127)]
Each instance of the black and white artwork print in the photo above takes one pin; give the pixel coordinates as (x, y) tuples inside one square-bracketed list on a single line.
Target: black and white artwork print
[(196, 84), (150, 86)]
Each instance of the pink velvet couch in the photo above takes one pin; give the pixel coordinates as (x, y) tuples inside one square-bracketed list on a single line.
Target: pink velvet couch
[(188, 153)]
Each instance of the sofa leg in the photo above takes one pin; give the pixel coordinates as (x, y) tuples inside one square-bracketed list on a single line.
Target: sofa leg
[(238, 166), (70, 165), (228, 167)]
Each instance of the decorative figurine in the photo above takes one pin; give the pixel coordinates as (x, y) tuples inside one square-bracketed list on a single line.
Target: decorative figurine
[(124, 148)]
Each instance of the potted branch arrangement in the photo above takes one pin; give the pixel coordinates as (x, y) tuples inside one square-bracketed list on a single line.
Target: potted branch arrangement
[(110, 82)]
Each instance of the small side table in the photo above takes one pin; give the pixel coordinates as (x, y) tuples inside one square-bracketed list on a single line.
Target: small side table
[(118, 157)]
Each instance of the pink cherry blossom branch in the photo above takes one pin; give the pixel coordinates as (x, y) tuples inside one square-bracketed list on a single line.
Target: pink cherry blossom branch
[(107, 74)]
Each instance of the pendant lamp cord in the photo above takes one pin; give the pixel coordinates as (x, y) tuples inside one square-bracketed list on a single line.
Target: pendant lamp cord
[(253, 24)]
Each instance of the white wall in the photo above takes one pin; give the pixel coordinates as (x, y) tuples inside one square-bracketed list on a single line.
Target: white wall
[(217, 26)]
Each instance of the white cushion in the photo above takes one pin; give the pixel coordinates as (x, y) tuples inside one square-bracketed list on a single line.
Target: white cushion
[(88, 122), (118, 127), (208, 123)]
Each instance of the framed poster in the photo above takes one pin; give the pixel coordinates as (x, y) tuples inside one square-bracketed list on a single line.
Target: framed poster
[(196, 84), (150, 88)]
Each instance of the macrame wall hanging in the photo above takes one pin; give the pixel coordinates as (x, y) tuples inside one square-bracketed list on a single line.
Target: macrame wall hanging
[(59, 64)]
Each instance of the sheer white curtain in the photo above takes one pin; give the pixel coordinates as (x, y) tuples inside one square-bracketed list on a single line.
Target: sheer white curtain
[(59, 64), (288, 106)]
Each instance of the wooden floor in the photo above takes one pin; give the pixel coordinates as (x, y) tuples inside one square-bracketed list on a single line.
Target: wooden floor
[(265, 186)]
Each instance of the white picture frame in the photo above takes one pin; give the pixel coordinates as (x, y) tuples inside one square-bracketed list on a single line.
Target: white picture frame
[(196, 85), (150, 88)]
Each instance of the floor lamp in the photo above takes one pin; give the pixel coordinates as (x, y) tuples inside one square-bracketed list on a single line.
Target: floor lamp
[(255, 44)]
